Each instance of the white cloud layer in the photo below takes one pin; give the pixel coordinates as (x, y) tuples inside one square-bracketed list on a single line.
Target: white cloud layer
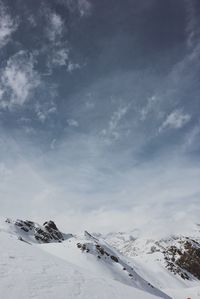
[(157, 197)]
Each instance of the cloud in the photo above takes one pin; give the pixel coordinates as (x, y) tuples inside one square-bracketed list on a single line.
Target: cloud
[(32, 20), (192, 25), (80, 187), (53, 144), (151, 103), (72, 122), (7, 26), (175, 120), (112, 132), (59, 57), (73, 66), (18, 80), (55, 27), (45, 110), (84, 7), (57, 51), (192, 139), (5, 172), (85, 179)]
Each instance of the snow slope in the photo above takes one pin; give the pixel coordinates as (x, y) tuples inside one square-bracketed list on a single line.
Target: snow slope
[(29, 271), (146, 257), (97, 259), (117, 265)]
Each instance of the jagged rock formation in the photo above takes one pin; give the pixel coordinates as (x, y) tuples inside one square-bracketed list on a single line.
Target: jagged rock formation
[(46, 233), (184, 259)]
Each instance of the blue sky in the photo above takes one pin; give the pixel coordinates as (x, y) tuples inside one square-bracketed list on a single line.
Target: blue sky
[(99, 112)]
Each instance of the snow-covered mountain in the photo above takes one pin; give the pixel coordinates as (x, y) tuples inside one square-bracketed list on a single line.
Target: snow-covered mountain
[(171, 263), (40, 261)]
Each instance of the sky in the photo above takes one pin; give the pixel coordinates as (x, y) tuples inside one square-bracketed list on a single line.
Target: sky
[(99, 113)]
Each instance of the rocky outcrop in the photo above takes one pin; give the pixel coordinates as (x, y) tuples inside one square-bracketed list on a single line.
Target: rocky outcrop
[(184, 259), (98, 250), (53, 231), (46, 233)]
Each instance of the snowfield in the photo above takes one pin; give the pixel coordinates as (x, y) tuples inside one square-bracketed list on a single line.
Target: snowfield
[(101, 266), (28, 272), (83, 266), (151, 266)]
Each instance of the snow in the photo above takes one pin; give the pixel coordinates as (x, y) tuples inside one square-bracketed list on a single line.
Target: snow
[(103, 266), (27, 272), (62, 270), (186, 293), (151, 265)]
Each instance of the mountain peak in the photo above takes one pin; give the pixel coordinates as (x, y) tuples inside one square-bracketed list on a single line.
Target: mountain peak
[(33, 232)]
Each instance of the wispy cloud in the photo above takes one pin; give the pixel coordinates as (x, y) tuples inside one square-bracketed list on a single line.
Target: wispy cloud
[(112, 132), (84, 7), (175, 120), (55, 27), (192, 139), (192, 25), (58, 51), (18, 80), (105, 165), (73, 66), (7, 25), (72, 122), (151, 103), (59, 57), (45, 110), (5, 172)]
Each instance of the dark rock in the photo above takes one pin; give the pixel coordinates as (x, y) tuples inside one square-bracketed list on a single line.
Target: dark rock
[(50, 225), (100, 249), (114, 258), (185, 260), (46, 233), (82, 247)]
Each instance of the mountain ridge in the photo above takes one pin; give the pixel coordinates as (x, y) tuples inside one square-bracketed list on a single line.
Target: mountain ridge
[(156, 267)]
